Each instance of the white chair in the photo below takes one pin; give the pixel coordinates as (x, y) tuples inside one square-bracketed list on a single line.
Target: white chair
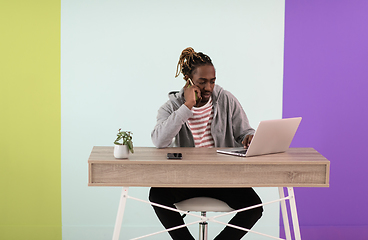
[(203, 205)]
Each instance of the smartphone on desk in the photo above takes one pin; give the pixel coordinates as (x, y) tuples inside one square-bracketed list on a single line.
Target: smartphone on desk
[(174, 156)]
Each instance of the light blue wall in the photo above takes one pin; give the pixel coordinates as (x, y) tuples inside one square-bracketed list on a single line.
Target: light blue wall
[(118, 61)]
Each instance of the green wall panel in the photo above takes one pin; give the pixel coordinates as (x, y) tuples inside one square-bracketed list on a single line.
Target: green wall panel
[(30, 202)]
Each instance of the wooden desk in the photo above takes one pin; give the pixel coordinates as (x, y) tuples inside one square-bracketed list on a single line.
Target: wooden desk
[(148, 167)]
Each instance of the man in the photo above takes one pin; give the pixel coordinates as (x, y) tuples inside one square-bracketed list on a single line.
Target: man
[(203, 114)]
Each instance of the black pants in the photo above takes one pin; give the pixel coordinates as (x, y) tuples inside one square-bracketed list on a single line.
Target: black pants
[(236, 198)]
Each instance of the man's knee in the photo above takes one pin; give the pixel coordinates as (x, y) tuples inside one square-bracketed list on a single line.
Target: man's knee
[(159, 195), (258, 212), (154, 194), (255, 214)]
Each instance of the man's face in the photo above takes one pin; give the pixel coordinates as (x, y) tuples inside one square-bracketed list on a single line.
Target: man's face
[(204, 78)]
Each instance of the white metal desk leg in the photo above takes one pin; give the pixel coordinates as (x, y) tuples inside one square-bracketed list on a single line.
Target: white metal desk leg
[(294, 214), (119, 217), (284, 213)]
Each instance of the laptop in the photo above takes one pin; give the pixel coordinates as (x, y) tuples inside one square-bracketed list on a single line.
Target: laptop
[(271, 136)]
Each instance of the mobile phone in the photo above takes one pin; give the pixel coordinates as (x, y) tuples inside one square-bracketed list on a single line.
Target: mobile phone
[(174, 156), (191, 84)]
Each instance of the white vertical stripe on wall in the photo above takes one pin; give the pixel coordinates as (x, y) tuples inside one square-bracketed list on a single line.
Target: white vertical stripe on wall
[(118, 64)]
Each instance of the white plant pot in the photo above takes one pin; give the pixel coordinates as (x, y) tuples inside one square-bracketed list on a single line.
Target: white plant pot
[(121, 151)]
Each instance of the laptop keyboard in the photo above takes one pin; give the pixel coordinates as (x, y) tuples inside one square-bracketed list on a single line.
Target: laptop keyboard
[(241, 151)]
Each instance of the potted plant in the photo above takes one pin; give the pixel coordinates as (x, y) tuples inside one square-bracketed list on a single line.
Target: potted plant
[(123, 144)]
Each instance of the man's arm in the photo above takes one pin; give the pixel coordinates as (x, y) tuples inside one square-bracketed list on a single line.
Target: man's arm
[(169, 123), (243, 132)]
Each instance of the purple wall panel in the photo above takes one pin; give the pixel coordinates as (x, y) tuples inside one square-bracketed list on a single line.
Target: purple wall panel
[(326, 83)]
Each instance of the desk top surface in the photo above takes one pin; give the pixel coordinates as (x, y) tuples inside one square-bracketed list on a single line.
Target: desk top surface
[(152, 155)]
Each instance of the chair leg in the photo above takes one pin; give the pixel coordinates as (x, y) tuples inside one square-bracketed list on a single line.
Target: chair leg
[(203, 228)]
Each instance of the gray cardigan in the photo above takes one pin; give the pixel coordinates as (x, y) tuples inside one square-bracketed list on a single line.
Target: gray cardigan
[(229, 127)]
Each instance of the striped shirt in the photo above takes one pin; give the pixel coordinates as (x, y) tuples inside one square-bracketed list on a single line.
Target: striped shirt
[(200, 125)]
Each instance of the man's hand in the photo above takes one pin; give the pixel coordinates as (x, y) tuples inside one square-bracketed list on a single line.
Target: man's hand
[(247, 140), (190, 94)]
